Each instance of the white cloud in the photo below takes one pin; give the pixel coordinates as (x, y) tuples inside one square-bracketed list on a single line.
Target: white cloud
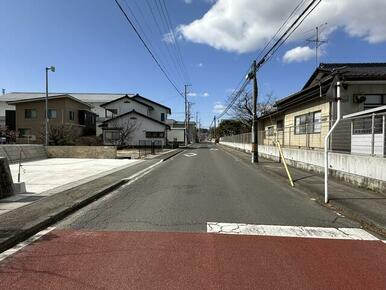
[(246, 25), (193, 94), (169, 37), (218, 108), (208, 1), (299, 54)]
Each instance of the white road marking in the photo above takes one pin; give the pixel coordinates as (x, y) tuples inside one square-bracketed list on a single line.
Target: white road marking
[(190, 154), (290, 231), (25, 243), (213, 149)]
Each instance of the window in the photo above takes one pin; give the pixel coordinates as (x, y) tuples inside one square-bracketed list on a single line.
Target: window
[(114, 111), (280, 125), (162, 117), (52, 114), (23, 132), (30, 114), (317, 122), (373, 101), (300, 124), (270, 131), (308, 123), (71, 115), (155, 134), (112, 137)]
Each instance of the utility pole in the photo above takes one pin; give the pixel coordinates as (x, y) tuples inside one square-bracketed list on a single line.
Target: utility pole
[(252, 76), (52, 69), (197, 139), (186, 114), (214, 131)]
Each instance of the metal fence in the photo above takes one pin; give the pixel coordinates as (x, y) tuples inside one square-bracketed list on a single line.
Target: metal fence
[(360, 135)]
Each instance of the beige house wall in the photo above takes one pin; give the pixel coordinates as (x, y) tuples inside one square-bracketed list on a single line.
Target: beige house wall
[(36, 125), (287, 137)]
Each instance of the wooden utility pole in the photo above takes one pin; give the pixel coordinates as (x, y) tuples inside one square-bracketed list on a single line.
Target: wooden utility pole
[(214, 131), (186, 113), (255, 157)]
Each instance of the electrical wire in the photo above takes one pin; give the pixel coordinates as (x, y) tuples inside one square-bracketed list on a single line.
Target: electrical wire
[(147, 47)]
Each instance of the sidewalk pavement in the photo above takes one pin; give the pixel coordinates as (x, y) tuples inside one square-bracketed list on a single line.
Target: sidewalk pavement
[(366, 207), (22, 222)]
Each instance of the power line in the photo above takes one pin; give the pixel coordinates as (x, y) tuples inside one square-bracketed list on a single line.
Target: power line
[(179, 53), (299, 20), (275, 47), (147, 48)]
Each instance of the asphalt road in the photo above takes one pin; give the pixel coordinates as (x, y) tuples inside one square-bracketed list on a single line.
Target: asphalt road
[(166, 231), (204, 184)]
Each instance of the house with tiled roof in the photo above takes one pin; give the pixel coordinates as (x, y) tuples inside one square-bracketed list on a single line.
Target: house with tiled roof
[(135, 121), (303, 119)]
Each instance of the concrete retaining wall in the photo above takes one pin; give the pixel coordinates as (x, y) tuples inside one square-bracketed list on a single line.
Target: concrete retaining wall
[(364, 171), (97, 152), (28, 152)]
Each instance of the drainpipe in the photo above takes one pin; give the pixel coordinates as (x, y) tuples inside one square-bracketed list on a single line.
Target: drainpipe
[(326, 141)]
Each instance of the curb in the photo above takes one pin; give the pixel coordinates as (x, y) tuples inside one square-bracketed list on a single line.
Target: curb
[(172, 155), (53, 218)]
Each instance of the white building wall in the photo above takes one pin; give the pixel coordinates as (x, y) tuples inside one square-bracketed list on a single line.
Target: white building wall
[(142, 125), (178, 134), (123, 107), (156, 113)]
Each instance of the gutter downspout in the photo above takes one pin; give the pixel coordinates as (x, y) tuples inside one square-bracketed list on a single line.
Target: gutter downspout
[(326, 142)]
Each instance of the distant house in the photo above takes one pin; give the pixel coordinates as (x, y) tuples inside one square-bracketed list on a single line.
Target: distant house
[(177, 132), (29, 118), (303, 119), (95, 100), (131, 120)]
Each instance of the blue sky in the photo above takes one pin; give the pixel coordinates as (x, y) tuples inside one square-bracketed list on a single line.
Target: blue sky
[(94, 50)]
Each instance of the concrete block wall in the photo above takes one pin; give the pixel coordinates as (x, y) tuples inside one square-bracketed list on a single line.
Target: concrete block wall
[(97, 152), (364, 171), (28, 152)]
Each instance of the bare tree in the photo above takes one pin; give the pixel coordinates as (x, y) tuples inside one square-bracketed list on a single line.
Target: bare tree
[(60, 134), (242, 110), (124, 130)]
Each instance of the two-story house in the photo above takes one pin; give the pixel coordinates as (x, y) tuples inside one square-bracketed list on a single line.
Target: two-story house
[(64, 110), (132, 119)]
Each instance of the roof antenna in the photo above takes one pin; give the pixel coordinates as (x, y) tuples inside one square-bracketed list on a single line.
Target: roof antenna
[(318, 43)]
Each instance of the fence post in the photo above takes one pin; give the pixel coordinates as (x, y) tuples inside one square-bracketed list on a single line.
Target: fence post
[(372, 133), (289, 137), (384, 134)]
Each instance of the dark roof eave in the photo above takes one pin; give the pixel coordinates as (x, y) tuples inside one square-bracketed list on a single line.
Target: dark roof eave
[(325, 84), (138, 113), (165, 107), (126, 96)]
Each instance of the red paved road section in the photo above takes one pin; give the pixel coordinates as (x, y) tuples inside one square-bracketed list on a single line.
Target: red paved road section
[(139, 260)]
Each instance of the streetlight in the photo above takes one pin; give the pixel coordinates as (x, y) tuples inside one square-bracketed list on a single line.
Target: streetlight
[(51, 68)]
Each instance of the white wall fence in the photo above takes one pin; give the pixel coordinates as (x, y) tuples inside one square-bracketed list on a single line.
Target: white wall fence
[(365, 171)]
